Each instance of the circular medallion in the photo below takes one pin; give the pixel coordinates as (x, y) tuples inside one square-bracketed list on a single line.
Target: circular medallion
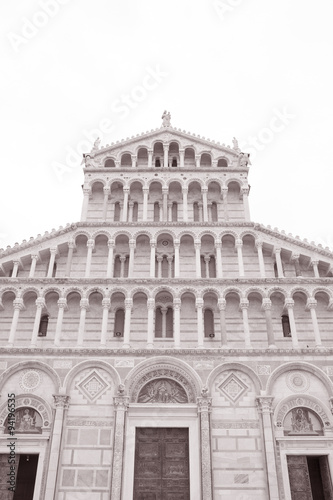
[(298, 382), (30, 380), (165, 243)]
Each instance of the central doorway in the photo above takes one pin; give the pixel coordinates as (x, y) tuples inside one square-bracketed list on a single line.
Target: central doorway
[(161, 470), (25, 476), (309, 477)]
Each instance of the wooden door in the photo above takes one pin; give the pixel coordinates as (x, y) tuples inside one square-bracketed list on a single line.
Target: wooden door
[(299, 479), (161, 469), (326, 478)]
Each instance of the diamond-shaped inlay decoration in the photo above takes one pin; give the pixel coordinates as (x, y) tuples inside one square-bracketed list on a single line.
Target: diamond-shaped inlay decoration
[(233, 387), (93, 386)]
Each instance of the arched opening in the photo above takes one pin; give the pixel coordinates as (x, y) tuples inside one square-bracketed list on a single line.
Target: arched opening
[(141, 263), (109, 163), (208, 265), (234, 320), (121, 256), (164, 266), (187, 256), (173, 154), (194, 199), (164, 315), (158, 153), (205, 160), (229, 255), (135, 211), (43, 324), (139, 317), (189, 157), (142, 157), (119, 321), (117, 197), (100, 257), (126, 160), (222, 163), (235, 204), (155, 202), (188, 320)]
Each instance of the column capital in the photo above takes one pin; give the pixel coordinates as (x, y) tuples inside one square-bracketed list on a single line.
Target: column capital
[(277, 250), (71, 244), (244, 304), (177, 304), (86, 191), (159, 258), (222, 304), (204, 189), (111, 243), (264, 404), (151, 304), (170, 258), (245, 190), (18, 304), (170, 204), (259, 243), (40, 303), (311, 303), (266, 304), (134, 157), (197, 157), (61, 401), (62, 303), (314, 262), (150, 151), (289, 303), (128, 303), (126, 189), (122, 258), (54, 250), (131, 203), (207, 258), (218, 244), (165, 190), (117, 163), (121, 403), (199, 303), (90, 243), (224, 192), (106, 303), (132, 243), (204, 404), (182, 150), (145, 190), (84, 304), (153, 243), (176, 243), (238, 243), (185, 189), (106, 190), (35, 257), (197, 244), (165, 145), (294, 256)]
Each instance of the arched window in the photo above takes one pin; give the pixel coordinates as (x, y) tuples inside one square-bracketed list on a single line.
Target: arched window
[(286, 325), (109, 163), (43, 324), (116, 216), (209, 323), (119, 320), (157, 162), (156, 211), (222, 163)]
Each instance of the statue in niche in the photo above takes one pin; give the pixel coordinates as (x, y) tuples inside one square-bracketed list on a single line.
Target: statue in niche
[(301, 422), (27, 421), (166, 117), (244, 160), (162, 391)]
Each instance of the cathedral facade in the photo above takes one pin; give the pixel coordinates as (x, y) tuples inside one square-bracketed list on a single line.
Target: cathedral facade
[(166, 347)]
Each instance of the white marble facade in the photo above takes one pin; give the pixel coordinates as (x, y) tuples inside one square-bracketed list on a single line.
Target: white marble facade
[(167, 307)]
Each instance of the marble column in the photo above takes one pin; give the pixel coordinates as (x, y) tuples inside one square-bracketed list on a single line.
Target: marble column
[(164, 311), (133, 157), (127, 325), (165, 155), (207, 261), (314, 264), (122, 259), (176, 245), (16, 264), (39, 308), (61, 403), (71, 246), (150, 158), (239, 245), (125, 204), (225, 203), (84, 306), (130, 211), (295, 260), (165, 203), (181, 158), (289, 304), (34, 260), (145, 191), (205, 203), (53, 253), (170, 211), (131, 258), (62, 307), (267, 307), (159, 266), (222, 305), (120, 407), (244, 305), (18, 306), (106, 191), (245, 193), (152, 258), (312, 304), (106, 304), (199, 305), (150, 329), (185, 210), (218, 251), (176, 321), (90, 245), (264, 405), (170, 260), (197, 246), (110, 264), (259, 244), (197, 161), (86, 194), (279, 262), (204, 409)]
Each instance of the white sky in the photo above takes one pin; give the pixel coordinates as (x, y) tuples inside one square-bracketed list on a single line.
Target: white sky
[(226, 69)]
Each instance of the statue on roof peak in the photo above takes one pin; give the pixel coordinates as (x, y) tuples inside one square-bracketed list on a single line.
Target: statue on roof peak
[(235, 144), (166, 117), (96, 145)]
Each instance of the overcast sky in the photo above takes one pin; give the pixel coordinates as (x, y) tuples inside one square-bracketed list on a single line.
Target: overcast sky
[(259, 70)]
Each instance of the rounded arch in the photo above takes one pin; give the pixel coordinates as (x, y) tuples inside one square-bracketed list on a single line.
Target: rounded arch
[(232, 289), (234, 366), (211, 289), (302, 366), (299, 289), (108, 162), (81, 233), (96, 179), (74, 289), (229, 232), (30, 364), (320, 289), (122, 232), (201, 182), (116, 179), (158, 181), (55, 289), (140, 289), (187, 233), (207, 232), (165, 231), (142, 232), (30, 289), (95, 289), (277, 289), (164, 367), (222, 161), (306, 401), (189, 289), (136, 179), (236, 180), (91, 363), (254, 289), (11, 289), (119, 289), (163, 288), (248, 232), (177, 180), (100, 232)]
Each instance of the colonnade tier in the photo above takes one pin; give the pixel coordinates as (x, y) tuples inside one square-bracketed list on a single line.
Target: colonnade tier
[(229, 317), (196, 200), (167, 254)]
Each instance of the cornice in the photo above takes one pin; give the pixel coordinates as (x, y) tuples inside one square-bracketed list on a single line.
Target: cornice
[(141, 170), (221, 353)]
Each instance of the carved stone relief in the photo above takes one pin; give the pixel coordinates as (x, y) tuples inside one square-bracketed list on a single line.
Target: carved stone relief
[(162, 391)]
